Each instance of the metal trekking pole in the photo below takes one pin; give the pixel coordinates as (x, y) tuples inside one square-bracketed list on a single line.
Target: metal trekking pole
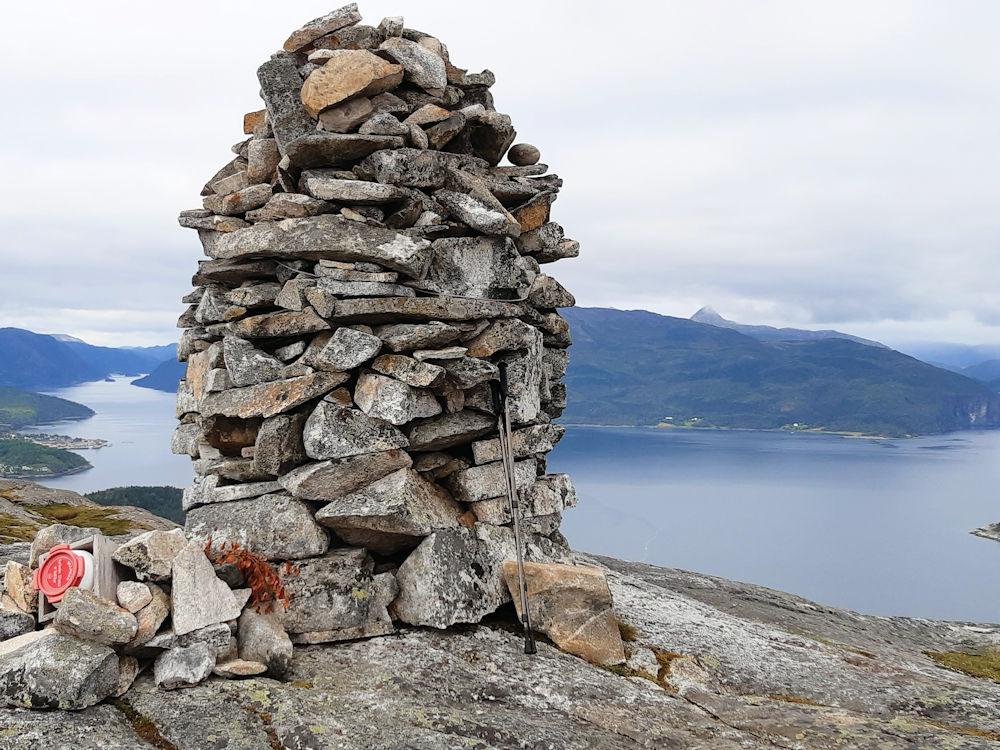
[(507, 455)]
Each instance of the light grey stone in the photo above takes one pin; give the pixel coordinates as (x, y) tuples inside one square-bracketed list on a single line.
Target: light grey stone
[(436, 355), (255, 295), (346, 116), (218, 637), (183, 667), (262, 160), (48, 537), (392, 400), (416, 168), (238, 669), (151, 554), (384, 124), (391, 513), (347, 15), (262, 638), (405, 337), (133, 596), (450, 430), (327, 480), (58, 671), (423, 67), (337, 598), (485, 267), (468, 372), (335, 432), (321, 184), (330, 237), (547, 293), (348, 348), (454, 576), (275, 526), (86, 615), (248, 365), (488, 480), (198, 598), (279, 446), (409, 370)]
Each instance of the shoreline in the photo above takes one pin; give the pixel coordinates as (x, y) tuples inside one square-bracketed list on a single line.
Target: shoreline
[(772, 430), (68, 472)]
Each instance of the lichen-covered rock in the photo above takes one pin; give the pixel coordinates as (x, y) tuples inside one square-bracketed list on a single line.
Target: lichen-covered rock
[(151, 554), (392, 400), (337, 598), (14, 622), (392, 513), (275, 526), (19, 585), (86, 615), (58, 671), (335, 432), (183, 666), (454, 576), (197, 597)]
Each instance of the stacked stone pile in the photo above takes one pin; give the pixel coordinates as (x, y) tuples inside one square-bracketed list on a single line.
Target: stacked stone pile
[(371, 263)]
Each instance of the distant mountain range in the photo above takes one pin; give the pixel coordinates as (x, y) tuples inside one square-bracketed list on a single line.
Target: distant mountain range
[(35, 361), (710, 317), (636, 367)]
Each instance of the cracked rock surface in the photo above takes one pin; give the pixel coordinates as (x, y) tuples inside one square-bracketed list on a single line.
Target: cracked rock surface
[(737, 666)]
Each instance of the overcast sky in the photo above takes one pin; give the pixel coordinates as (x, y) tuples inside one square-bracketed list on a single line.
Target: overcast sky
[(798, 163)]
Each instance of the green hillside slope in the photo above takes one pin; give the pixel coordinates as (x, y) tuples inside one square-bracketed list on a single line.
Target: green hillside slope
[(19, 458), (19, 408), (635, 367)]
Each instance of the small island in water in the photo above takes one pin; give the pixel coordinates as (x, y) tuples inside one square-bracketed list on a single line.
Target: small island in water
[(23, 459)]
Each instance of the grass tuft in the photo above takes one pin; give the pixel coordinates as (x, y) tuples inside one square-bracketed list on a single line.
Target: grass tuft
[(985, 665)]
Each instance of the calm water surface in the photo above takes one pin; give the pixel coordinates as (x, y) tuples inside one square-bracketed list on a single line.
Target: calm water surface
[(138, 422), (880, 526)]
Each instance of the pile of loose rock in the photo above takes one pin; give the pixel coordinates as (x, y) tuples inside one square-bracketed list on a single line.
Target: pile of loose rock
[(169, 610), (370, 266)]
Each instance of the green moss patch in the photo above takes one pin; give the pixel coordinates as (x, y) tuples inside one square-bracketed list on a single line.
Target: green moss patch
[(15, 529), (104, 519), (985, 665)]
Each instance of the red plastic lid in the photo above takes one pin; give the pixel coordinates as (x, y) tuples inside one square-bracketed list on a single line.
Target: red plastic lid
[(61, 570)]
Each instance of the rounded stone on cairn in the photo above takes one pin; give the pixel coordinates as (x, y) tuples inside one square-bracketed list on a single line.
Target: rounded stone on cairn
[(523, 155)]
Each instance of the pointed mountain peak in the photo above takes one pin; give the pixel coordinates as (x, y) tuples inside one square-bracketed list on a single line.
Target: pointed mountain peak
[(708, 315)]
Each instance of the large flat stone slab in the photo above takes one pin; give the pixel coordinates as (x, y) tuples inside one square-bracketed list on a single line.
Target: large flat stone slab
[(327, 237)]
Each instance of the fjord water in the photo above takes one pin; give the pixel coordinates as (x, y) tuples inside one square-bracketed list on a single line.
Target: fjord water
[(138, 422), (879, 526)]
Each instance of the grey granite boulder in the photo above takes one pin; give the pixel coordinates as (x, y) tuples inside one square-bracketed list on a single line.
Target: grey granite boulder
[(335, 432), (248, 365), (392, 400), (488, 480), (484, 267), (183, 666), (151, 554), (423, 68), (337, 597), (275, 526), (58, 671), (86, 615), (409, 370), (151, 617), (262, 638), (391, 513), (198, 598), (279, 446), (454, 576)]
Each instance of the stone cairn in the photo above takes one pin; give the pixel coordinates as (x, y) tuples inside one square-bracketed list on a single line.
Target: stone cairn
[(370, 266)]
